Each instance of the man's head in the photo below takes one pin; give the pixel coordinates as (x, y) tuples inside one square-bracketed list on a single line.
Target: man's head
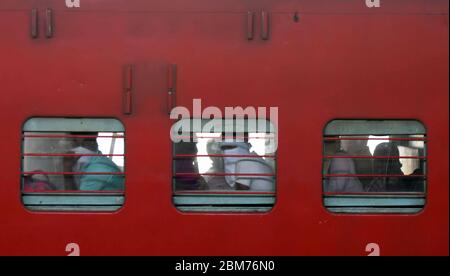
[(387, 165), (355, 145), (86, 140)]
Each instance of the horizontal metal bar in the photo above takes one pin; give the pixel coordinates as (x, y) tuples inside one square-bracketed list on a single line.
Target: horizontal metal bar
[(70, 136), (375, 194), (372, 201), (374, 210), (74, 193), (67, 154), (72, 200), (373, 139), (222, 200), (374, 175), (223, 155), (73, 173), (222, 137), (373, 157), (223, 193), (225, 174), (227, 209), (81, 208)]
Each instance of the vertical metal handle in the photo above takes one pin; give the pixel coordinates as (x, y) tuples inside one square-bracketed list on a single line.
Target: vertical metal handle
[(171, 87), (128, 89), (250, 25), (265, 23), (34, 24), (49, 23)]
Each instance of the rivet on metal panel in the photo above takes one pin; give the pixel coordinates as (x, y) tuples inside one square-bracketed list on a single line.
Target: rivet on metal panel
[(171, 87), (265, 25), (128, 89), (34, 25), (49, 24), (250, 25)]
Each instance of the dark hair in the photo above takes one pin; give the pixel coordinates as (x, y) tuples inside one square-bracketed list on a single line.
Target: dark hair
[(387, 165), (86, 142)]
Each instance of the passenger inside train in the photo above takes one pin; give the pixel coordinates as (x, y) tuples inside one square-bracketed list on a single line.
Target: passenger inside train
[(187, 168), (68, 161), (378, 164), (336, 166), (384, 167), (228, 164), (38, 182), (94, 166), (358, 148)]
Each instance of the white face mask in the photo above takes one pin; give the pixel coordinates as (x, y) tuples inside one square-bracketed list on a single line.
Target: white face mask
[(230, 162), (246, 165)]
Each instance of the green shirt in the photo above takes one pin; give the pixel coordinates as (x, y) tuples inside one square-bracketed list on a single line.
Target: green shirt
[(101, 182)]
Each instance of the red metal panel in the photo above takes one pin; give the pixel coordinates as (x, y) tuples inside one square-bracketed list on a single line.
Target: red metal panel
[(340, 60)]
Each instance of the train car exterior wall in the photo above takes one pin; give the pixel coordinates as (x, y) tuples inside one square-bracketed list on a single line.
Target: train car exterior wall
[(316, 61)]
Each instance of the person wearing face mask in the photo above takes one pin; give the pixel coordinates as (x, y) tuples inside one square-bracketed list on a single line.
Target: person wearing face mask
[(245, 170), (214, 178)]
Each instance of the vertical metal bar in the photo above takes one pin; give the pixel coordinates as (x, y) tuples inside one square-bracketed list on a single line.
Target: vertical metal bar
[(34, 24), (112, 146), (265, 23), (250, 25), (171, 87), (49, 24), (128, 88)]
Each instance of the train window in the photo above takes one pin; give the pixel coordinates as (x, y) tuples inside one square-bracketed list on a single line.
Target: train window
[(230, 169), (73, 164), (374, 166)]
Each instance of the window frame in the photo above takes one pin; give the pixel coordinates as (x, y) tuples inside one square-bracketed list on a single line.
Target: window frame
[(372, 203), (60, 200), (196, 201)]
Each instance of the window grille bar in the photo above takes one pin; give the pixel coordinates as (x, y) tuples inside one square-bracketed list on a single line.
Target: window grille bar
[(224, 174), (73, 173), (415, 194), (67, 154), (374, 139), (374, 175), (373, 157), (70, 136), (222, 155)]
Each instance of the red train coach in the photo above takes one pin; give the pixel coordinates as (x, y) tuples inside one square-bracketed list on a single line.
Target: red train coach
[(337, 111)]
